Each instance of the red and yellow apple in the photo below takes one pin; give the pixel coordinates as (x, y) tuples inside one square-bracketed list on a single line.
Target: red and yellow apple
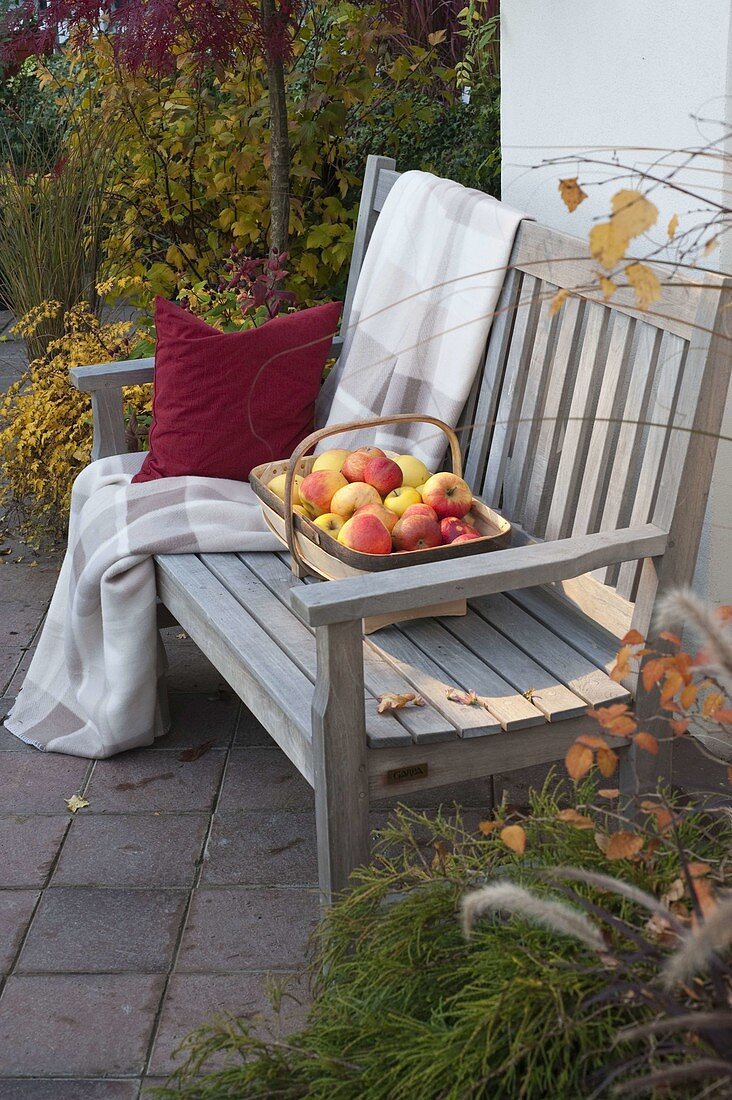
[(350, 498), (355, 464), (414, 472), (329, 522), (467, 536), (365, 533), (277, 485), (387, 517), (318, 489), (448, 494), (383, 474), (452, 527), (421, 510), (399, 500), (330, 460), (416, 532)]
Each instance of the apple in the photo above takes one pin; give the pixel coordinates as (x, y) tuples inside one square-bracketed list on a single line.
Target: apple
[(414, 472), (355, 464), (301, 510), (399, 500), (350, 498), (277, 485), (448, 494), (416, 532), (421, 510), (365, 533), (330, 523), (421, 487), (318, 489), (467, 537), (330, 460), (452, 527), (383, 474), (387, 517)]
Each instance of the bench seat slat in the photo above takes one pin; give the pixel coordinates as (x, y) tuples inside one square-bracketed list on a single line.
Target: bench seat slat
[(277, 692), (550, 650), (467, 671), (293, 637), (552, 697), (425, 723), (580, 632), (431, 682)]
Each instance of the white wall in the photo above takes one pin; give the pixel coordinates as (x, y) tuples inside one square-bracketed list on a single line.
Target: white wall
[(592, 77)]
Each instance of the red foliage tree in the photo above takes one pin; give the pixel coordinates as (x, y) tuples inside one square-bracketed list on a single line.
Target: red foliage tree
[(144, 34)]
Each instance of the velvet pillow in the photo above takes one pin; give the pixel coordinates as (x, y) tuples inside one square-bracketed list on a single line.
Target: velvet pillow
[(225, 401)]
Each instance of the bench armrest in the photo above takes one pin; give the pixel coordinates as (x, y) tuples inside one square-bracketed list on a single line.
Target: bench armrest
[(103, 376), (480, 575)]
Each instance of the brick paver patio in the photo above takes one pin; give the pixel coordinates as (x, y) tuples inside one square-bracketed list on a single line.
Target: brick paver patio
[(171, 897)]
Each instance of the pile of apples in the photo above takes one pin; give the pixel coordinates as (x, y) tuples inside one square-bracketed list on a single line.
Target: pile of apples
[(378, 503)]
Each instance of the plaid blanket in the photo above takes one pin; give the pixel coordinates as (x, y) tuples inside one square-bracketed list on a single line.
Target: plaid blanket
[(91, 689), (421, 314), (421, 317)]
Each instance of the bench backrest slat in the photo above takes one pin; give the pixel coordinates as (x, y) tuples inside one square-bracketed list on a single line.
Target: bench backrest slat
[(580, 419)]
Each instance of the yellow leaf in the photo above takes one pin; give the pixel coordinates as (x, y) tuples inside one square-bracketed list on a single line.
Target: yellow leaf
[(389, 701), (645, 284), (623, 845), (578, 760), (632, 213), (712, 703), (572, 194), (572, 817), (76, 802), (487, 827), (710, 245), (558, 301), (608, 288), (436, 37), (633, 637), (673, 225), (609, 792), (607, 245), (514, 837)]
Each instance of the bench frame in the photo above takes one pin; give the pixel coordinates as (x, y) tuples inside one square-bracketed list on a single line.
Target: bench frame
[(663, 536)]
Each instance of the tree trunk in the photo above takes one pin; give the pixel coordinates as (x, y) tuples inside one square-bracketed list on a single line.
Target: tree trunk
[(280, 138)]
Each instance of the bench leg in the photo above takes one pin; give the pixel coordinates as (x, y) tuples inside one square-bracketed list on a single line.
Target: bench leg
[(162, 670), (339, 757)]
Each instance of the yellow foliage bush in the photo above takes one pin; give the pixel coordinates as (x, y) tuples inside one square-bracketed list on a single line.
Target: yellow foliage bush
[(46, 424)]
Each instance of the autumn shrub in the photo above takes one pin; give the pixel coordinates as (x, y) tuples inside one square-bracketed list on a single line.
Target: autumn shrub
[(190, 169), (46, 424), (405, 1006)]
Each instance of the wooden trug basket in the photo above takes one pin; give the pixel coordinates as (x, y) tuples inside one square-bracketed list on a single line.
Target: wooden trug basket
[(315, 552)]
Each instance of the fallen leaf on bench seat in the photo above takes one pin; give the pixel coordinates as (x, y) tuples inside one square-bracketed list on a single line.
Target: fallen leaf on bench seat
[(76, 802), (196, 752), (465, 698), (389, 701)]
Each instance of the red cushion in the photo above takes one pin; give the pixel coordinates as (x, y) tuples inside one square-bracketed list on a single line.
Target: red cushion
[(225, 401)]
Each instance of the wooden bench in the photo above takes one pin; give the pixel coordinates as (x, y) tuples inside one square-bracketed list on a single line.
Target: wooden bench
[(567, 432)]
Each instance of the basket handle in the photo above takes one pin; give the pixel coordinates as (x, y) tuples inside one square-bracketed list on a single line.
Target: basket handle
[(338, 429)]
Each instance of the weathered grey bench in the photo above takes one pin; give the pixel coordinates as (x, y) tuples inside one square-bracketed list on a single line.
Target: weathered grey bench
[(578, 430)]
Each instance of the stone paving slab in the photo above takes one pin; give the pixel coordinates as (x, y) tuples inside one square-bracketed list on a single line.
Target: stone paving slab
[(143, 850), (84, 1025)]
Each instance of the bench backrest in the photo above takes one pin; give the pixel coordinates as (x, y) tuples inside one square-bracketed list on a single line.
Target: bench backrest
[(599, 416)]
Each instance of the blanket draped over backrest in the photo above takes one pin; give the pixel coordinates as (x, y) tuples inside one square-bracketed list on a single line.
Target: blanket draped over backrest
[(421, 313), (421, 317)]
